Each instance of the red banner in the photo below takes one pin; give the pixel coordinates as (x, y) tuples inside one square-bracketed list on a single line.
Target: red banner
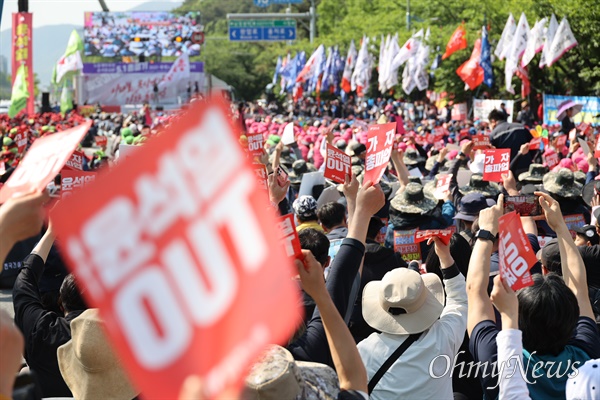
[(481, 142), (551, 160), (255, 144), (337, 164), (43, 161), (515, 252), (535, 143), (75, 161), (497, 162), (443, 234), (289, 235), (72, 180), (22, 53), (380, 139), (197, 254)]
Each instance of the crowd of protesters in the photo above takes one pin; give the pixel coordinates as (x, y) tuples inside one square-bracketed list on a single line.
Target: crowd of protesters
[(377, 324)]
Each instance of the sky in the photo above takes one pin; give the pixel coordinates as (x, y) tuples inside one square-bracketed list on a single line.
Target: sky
[(57, 12)]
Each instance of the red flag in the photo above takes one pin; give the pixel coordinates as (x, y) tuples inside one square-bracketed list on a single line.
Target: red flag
[(458, 41), (470, 71)]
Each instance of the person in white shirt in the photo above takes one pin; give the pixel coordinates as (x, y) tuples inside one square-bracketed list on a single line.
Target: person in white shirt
[(407, 306)]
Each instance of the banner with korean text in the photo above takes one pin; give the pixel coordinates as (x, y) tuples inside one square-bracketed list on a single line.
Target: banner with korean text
[(22, 53)]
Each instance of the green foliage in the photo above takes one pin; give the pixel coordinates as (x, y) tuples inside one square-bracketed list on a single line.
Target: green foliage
[(249, 66)]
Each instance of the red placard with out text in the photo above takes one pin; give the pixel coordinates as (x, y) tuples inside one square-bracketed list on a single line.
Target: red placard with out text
[(496, 163), (43, 161), (551, 159), (198, 252), (71, 180), (289, 235), (255, 144), (535, 143), (337, 164), (515, 253), (481, 142), (75, 161), (380, 139)]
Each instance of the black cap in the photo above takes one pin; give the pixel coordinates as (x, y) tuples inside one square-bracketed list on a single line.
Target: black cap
[(588, 232), (550, 256)]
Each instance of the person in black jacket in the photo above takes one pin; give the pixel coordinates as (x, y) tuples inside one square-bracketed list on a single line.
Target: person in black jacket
[(509, 136), (44, 331)]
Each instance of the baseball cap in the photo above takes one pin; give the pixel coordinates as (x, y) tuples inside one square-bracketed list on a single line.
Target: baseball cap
[(549, 255), (470, 205), (587, 231)]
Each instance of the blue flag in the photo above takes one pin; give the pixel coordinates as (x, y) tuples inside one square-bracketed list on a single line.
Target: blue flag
[(486, 59), (277, 70)]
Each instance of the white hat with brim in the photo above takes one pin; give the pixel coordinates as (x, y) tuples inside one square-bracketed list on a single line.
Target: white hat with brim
[(88, 364), (403, 302)]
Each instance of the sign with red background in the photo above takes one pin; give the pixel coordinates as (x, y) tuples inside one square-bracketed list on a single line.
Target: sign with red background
[(380, 139), (515, 253)]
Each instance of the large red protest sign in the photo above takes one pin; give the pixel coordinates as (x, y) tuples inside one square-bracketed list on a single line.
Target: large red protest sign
[(496, 163), (337, 164), (75, 161), (515, 253), (71, 180), (43, 162), (255, 144), (380, 139), (197, 282), (481, 142), (289, 235), (261, 175)]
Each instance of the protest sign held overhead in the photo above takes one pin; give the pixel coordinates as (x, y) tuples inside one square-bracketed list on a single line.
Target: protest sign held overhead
[(481, 142), (443, 234), (71, 180), (178, 219), (380, 140), (515, 252), (496, 163), (337, 164), (289, 236), (43, 162)]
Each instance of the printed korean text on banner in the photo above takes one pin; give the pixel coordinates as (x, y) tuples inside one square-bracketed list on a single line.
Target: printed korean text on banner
[(459, 112), (255, 144), (75, 161), (43, 161), (289, 236), (483, 107), (21, 141), (71, 180), (535, 143), (261, 175), (443, 234), (404, 243), (561, 141), (22, 53), (458, 41), (515, 253), (183, 272), (380, 139), (443, 185), (591, 108), (337, 164), (481, 142), (497, 162), (551, 159)]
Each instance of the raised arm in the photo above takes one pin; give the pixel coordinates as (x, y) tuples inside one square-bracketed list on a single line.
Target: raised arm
[(573, 269), (350, 189), (480, 306), (346, 359), (399, 166)]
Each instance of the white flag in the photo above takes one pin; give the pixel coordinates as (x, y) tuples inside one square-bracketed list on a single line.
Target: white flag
[(564, 40), (516, 49), (407, 51), (180, 70), (349, 67), (506, 38), (382, 68), (421, 60), (360, 74), (548, 38), (535, 42), (408, 83), (66, 64), (392, 75)]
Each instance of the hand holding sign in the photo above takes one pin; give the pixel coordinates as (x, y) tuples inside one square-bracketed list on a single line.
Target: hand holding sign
[(506, 302), (488, 217), (311, 275), (496, 163)]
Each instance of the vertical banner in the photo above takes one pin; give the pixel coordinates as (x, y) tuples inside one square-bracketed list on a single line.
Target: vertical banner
[(22, 53)]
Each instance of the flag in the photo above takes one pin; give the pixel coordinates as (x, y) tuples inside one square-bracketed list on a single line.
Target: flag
[(360, 76), (382, 65), (19, 94), (327, 79), (563, 41), (312, 69), (71, 60), (458, 41), (421, 60), (506, 38), (523, 74), (314, 82), (548, 38), (408, 83), (179, 70), (338, 69), (277, 70), (288, 74), (470, 71), (66, 100), (392, 74), (407, 51), (349, 67), (486, 59), (284, 64), (515, 51), (535, 42)]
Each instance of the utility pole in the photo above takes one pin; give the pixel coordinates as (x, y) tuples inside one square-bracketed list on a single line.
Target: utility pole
[(313, 21)]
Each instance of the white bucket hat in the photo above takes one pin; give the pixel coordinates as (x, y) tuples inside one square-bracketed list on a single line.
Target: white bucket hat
[(403, 302)]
